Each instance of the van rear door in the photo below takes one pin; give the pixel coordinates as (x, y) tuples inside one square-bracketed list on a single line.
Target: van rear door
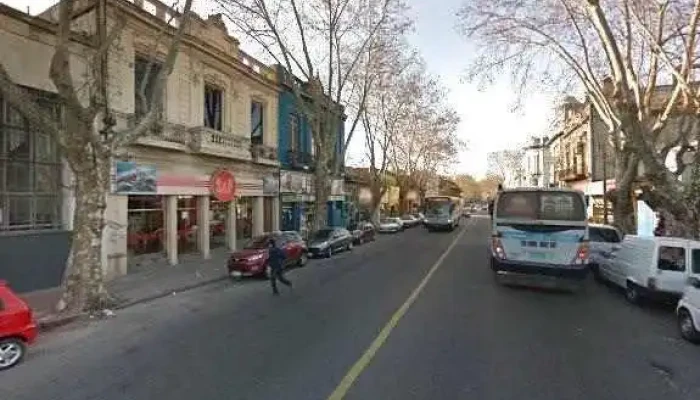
[(672, 262)]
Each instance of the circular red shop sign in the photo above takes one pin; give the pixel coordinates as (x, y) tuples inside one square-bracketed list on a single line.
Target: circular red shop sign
[(223, 185)]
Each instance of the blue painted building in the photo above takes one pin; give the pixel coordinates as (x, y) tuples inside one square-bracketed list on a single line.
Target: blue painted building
[(297, 163)]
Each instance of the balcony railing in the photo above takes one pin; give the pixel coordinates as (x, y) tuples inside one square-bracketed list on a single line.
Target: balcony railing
[(219, 143), (264, 154), (162, 134), (573, 174), (300, 160)]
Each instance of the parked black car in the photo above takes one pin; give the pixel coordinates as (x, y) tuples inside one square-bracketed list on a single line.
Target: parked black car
[(363, 232), (330, 240)]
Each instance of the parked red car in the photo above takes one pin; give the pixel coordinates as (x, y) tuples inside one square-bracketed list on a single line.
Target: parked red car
[(252, 259), (17, 327)]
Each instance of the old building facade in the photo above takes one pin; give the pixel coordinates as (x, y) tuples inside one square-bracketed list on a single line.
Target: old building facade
[(537, 163), (205, 178), (297, 157)]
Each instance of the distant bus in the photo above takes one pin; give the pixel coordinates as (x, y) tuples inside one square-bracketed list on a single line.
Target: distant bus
[(442, 212), (540, 236)]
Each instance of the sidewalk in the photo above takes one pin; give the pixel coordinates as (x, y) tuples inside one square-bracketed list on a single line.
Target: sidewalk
[(147, 283)]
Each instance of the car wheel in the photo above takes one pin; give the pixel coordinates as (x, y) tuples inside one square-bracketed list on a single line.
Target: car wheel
[(303, 259), (12, 351), (687, 327), (632, 293)]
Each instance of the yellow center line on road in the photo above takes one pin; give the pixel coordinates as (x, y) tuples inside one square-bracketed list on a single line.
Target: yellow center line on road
[(351, 376)]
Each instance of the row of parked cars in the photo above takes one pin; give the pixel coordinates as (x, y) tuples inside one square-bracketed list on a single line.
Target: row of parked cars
[(252, 259), (651, 268), (399, 224)]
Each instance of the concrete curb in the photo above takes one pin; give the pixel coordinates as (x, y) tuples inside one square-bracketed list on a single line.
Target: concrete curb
[(167, 292), (53, 322)]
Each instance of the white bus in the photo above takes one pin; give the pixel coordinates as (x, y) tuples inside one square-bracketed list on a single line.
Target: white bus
[(442, 212), (540, 235)]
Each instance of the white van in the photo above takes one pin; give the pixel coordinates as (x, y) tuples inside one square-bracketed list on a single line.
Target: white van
[(649, 266), (688, 309)]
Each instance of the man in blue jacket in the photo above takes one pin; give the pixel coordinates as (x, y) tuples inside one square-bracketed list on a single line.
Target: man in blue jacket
[(276, 261)]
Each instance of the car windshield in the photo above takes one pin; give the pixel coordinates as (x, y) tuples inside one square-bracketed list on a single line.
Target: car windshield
[(323, 234), (259, 242), (407, 217), (388, 221)]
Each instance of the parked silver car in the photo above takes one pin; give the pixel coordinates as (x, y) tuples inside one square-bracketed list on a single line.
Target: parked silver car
[(390, 225), (603, 239)]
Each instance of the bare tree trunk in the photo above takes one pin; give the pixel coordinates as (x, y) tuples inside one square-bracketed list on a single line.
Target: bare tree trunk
[(375, 204), (83, 284), (321, 192), (623, 210)]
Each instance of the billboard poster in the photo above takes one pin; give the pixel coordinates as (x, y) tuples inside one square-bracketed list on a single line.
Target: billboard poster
[(131, 178)]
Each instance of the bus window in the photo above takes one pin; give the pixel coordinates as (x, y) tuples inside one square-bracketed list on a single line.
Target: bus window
[(550, 206), (561, 206), (517, 205)]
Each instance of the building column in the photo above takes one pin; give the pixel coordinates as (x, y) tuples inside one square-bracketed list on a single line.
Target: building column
[(276, 214), (231, 225), (171, 229), (203, 223), (258, 216)]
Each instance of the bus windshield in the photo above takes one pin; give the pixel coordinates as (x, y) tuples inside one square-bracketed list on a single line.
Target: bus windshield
[(439, 207), (543, 206)]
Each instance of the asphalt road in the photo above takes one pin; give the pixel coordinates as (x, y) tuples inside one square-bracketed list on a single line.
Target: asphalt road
[(463, 337)]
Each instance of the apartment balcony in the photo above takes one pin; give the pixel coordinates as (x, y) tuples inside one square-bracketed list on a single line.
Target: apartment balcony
[(301, 161), (264, 154), (219, 143), (572, 174), (162, 134)]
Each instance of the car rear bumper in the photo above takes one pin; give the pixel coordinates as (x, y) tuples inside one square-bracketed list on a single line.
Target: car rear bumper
[(438, 225), (317, 252), (30, 333), (573, 272)]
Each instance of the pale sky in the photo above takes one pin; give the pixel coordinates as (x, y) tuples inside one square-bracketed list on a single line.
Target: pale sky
[(488, 124)]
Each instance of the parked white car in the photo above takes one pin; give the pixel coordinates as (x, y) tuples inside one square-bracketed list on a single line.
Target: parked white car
[(688, 310), (603, 240), (390, 225), (649, 267)]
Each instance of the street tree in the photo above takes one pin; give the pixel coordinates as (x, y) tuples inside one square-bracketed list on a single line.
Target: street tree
[(471, 189), (427, 143), (88, 137), (324, 43), (636, 62), (395, 68), (507, 165), (489, 186)]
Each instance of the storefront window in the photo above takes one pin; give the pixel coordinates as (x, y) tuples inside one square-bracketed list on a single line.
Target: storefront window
[(145, 231), (288, 220), (218, 214), (244, 218), (186, 224), (307, 223)]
